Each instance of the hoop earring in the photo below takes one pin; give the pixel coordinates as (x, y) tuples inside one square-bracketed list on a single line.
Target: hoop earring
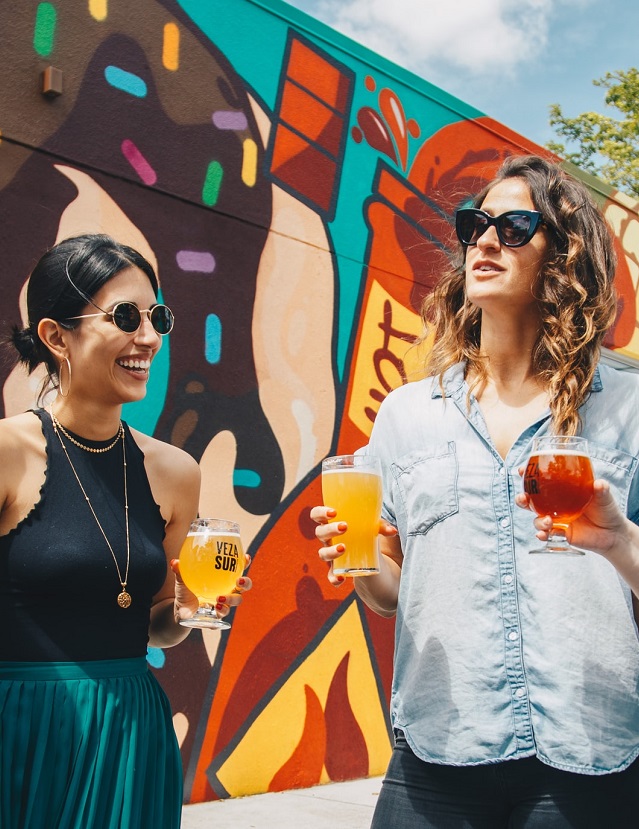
[(60, 392)]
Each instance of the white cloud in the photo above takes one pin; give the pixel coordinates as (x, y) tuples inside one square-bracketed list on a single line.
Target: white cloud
[(484, 37)]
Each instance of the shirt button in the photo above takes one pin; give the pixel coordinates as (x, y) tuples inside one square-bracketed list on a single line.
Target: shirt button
[(513, 635), (508, 579), (519, 693), (505, 522), (502, 470)]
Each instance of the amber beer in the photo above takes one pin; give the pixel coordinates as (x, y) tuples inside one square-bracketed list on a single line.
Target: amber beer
[(559, 483), (352, 485), (211, 560)]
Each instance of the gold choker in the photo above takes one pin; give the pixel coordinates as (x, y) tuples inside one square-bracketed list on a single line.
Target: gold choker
[(58, 425)]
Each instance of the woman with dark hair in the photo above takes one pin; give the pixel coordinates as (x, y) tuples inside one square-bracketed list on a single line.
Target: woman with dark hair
[(92, 514), (515, 699)]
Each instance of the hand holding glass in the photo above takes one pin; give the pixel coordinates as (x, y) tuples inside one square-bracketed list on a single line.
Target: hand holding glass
[(352, 485), (559, 483), (211, 560)]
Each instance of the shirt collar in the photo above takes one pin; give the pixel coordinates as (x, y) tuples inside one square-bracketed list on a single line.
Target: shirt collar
[(453, 381)]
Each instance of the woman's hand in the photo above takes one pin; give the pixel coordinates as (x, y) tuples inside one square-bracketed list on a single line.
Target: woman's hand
[(186, 603), (601, 527), (328, 529)]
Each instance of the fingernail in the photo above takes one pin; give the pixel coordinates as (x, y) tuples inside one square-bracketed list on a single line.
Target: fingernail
[(341, 527), (340, 579), (221, 599), (219, 606), (241, 581), (340, 548)]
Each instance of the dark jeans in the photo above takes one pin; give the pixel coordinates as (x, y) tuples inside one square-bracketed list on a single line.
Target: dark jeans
[(516, 794)]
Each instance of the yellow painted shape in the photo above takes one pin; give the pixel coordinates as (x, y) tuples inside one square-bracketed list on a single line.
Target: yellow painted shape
[(249, 162), (285, 714), (171, 47), (99, 9), (385, 347)]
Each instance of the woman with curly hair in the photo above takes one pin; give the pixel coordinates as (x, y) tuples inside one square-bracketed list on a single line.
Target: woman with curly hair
[(515, 699)]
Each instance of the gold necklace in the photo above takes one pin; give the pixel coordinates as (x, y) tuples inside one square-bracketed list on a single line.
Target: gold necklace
[(124, 598), (81, 445)]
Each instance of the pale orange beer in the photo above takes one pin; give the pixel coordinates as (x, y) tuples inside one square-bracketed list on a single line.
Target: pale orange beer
[(352, 485), (559, 483), (211, 560)]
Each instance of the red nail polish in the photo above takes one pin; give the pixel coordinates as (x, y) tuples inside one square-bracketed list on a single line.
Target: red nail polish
[(340, 548), (241, 581), (221, 600), (219, 606)]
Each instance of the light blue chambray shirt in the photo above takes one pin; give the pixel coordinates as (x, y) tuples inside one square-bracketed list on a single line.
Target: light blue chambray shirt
[(500, 654)]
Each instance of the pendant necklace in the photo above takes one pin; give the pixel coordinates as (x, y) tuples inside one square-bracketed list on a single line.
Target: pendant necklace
[(124, 598)]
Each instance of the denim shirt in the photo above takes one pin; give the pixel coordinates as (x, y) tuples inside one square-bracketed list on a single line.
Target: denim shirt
[(500, 654)]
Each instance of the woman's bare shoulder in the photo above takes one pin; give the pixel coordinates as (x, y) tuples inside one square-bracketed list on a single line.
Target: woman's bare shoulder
[(18, 432), (165, 459)]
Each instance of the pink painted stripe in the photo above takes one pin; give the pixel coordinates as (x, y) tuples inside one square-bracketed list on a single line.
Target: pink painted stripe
[(138, 162)]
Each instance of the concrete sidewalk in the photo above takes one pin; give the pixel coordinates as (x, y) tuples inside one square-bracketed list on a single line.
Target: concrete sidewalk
[(346, 805)]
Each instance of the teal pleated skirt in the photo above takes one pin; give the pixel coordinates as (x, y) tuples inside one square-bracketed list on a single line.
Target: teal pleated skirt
[(87, 745)]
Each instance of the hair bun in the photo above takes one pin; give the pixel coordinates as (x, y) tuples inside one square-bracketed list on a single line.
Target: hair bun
[(24, 342)]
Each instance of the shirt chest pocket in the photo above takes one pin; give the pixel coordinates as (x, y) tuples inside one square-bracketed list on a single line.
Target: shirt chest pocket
[(426, 486), (618, 468)]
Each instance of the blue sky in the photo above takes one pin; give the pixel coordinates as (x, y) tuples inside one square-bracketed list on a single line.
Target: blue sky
[(509, 59)]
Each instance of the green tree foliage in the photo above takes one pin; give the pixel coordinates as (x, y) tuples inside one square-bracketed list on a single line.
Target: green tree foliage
[(606, 147)]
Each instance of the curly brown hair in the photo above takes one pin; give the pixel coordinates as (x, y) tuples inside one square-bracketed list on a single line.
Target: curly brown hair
[(574, 289)]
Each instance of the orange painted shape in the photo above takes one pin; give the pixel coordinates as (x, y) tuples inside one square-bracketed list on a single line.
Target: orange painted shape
[(346, 752), (171, 47), (268, 635), (303, 167), (312, 118), (322, 78), (304, 768), (393, 112)]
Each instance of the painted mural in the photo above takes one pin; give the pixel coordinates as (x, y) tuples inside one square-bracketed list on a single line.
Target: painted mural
[(295, 194)]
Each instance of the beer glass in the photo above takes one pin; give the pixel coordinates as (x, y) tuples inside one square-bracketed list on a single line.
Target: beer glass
[(559, 482), (211, 561), (352, 485)]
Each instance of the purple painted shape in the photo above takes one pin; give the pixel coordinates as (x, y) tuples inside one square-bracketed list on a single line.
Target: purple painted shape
[(195, 261), (138, 162), (226, 120)]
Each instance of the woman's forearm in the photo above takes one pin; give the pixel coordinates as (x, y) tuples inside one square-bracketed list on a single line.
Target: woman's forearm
[(164, 630), (381, 591)]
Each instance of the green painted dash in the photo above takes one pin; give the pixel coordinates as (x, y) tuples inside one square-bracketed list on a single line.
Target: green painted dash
[(44, 31), (212, 184)]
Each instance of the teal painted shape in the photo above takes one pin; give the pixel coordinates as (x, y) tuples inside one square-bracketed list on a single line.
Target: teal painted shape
[(125, 81), (155, 657), (246, 477), (213, 339), (144, 414)]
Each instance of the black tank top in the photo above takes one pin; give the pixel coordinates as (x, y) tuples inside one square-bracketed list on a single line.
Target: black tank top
[(58, 581)]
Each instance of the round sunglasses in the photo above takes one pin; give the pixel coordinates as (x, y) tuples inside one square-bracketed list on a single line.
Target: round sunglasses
[(128, 317), (514, 228)]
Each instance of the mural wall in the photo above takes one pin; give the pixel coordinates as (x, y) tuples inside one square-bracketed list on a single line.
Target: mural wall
[(295, 193)]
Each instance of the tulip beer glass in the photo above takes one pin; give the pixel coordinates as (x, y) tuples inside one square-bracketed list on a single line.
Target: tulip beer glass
[(211, 560), (352, 485), (558, 481)]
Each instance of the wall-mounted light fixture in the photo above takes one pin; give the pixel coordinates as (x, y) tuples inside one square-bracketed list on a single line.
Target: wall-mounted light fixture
[(52, 82)]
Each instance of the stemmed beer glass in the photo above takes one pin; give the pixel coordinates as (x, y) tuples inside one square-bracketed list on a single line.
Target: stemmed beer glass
[(559, 482), (211, 560)]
